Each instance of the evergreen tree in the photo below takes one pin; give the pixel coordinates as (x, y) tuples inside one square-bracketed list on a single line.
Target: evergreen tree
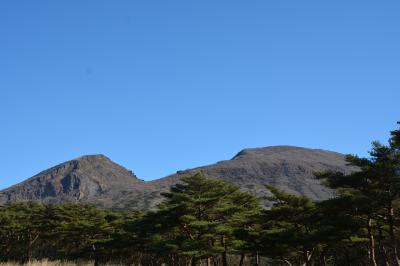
[(200, 218), (20, 230), (372, 193), (291, 228)]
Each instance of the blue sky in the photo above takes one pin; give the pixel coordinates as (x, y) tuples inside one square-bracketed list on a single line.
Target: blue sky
[(159, 86)]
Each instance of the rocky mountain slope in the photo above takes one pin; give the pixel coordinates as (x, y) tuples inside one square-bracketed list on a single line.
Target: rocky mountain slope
[(97, 180), (93, 179), (289, 168)]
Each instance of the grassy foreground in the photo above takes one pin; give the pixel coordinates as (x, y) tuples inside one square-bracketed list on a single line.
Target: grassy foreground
[(232, 260), (46, 262)]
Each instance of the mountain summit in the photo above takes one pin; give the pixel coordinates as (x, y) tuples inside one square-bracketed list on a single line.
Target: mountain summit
[(95, 179), (286, 167), (90, 179)]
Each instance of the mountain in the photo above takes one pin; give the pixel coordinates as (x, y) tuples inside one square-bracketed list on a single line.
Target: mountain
[(93, 179), (286, 167), (97, 180)]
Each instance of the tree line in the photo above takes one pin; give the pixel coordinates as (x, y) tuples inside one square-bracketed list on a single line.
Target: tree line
[(204, 221)]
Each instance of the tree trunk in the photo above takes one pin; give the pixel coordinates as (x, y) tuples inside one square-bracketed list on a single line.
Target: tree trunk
[(392, 234), (241, 259), (96, 259), (307, 255), (382, 249), (371, 248), (257, 259), (287, 262), (322, 257), (324, 260), (209, 261), (30, 245), (223, 255), (224, 259), (193, 262)]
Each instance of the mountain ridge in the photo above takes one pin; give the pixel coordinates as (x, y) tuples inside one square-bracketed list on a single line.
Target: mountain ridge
[(95, 179)]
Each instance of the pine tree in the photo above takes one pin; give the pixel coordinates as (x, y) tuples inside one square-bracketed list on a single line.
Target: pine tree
[(372, 193), (291, 228), (200, 218)]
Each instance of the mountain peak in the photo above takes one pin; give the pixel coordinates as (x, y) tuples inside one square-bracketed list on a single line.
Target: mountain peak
[(270, 150), (289, 168), (92, 156), (89, 178)]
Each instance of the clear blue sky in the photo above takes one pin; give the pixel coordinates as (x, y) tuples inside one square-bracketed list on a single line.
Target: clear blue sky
[(159, 86)]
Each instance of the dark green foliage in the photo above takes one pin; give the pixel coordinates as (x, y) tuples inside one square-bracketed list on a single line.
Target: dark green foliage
[(52, 231), (201, 218), (370, 197), (292, 229), (208, 222)]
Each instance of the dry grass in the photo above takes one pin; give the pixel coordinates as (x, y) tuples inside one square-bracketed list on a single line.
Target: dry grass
[(232, 260), (47, 263), (56, 263)]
